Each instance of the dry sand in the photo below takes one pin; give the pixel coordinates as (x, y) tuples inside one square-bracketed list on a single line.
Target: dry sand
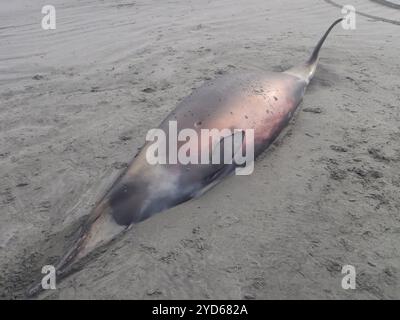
[(77, 102)]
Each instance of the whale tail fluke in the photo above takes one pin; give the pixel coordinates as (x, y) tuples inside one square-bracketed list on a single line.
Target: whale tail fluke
[(315, 54), (307, 70)]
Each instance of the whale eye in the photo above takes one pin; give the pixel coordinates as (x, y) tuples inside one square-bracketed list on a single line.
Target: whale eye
[(126, 202)]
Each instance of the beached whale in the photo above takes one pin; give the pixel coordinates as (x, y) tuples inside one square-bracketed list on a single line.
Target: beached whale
[(259, 101)]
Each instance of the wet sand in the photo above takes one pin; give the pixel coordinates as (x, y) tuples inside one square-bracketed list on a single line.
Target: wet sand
[(77, 102)]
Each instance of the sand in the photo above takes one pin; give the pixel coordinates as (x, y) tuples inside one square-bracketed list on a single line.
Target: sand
[(77, 102)]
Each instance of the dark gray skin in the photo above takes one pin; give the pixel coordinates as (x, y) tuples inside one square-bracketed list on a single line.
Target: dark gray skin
[(261, 101)]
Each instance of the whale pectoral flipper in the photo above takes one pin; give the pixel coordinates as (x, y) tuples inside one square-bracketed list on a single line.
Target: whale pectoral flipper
[(224, 151), (235, 141)]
